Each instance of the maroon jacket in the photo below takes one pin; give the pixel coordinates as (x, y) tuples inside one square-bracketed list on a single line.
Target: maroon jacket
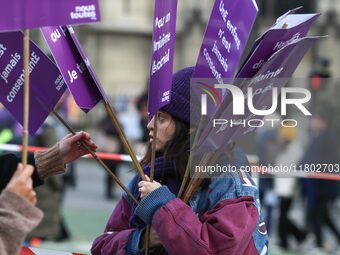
[(228, 226)]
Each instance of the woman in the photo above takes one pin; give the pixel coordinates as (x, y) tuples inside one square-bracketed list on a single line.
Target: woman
[(223, 216)]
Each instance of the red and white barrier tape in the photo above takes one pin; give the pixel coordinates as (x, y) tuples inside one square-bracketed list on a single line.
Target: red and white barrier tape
[(101, 155), (35, 251), (126, 158)]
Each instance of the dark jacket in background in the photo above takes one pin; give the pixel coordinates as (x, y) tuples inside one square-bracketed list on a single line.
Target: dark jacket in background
[(8, 165)]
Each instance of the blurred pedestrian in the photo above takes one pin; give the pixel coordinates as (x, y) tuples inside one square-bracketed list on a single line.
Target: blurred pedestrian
[(323, 149), (286, 190), (268, 146), (142, 106), (111, 144), (52, 227)]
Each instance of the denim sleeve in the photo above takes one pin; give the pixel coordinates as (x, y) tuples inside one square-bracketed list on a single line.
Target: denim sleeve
[(133, 188), (152, 202)]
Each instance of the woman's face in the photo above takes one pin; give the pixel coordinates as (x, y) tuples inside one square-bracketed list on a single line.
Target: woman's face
[(165, 129)]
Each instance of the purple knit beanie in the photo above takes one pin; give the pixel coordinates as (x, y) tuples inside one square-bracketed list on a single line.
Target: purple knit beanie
[(179, 106)]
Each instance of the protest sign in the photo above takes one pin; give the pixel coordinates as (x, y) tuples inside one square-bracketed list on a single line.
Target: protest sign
[(224, 41), (232, 122), (74, 66), (287, 30), (47, 84), (163, 50), (22, 14)]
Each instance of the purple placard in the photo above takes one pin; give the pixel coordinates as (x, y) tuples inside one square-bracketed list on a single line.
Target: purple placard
[(276, 38), (163, 46), (20, 14), (88, 63), (83, 86), (224, 41), (282, 65), (276, 22), (293, 11), (46, 83)]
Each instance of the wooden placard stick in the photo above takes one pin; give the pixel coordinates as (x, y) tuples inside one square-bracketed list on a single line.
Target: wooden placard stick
[(189, 163), (26, 96), (152, 175), (124, 140)]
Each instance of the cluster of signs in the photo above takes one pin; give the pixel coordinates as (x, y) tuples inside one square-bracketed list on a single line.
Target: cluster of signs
[(275, 55), (270, 64), (255, 87), (47, 81)]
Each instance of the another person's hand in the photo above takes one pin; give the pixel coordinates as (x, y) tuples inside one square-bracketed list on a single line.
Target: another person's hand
[(146, 187), (21, 183), (71, 149), (154, 238)]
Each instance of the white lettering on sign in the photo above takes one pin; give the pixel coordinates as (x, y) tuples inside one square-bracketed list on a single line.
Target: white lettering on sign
[(166, 96), (34, 60), (84, 11), (2, 50), (10, 66), (73, 75)]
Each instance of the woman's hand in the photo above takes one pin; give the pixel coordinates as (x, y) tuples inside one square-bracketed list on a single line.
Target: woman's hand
[(146, 187), (71, 149), (21, 183)]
